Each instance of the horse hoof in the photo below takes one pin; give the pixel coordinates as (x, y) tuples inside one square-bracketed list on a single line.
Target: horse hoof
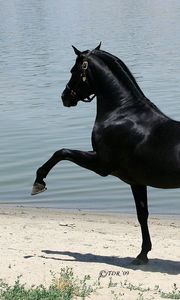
[(139, 261), (38, 188)]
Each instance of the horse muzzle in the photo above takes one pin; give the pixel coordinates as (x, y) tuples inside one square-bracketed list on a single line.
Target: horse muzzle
[(68, 99)]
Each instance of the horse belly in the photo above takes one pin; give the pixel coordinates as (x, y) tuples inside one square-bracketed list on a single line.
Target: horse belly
[(158, 176), (144, 164), (165, 179), (149, 174)]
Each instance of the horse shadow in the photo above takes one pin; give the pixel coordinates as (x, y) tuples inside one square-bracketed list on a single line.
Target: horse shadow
[(155, 264)]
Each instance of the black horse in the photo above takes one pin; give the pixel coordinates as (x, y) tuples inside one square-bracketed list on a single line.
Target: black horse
[(132, 139)]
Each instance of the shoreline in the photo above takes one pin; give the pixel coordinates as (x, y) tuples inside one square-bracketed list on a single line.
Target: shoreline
[(36, 241), (89, 211)]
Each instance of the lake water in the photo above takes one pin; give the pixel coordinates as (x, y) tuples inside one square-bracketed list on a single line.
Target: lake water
[(35, 59)]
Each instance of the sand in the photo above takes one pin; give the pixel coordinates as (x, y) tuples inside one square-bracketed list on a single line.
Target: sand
[(35, 241)]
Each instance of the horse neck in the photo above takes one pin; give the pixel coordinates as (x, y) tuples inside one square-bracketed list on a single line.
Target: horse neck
[(113, 92)]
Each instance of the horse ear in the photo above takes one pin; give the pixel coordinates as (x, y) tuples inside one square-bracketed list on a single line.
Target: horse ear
[(98, 47), (77, 52)]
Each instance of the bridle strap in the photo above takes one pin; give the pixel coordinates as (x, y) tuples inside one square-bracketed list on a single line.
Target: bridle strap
[(84, 79), (89, 99)]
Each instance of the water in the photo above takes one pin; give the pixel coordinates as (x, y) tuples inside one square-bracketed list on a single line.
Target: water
[(35, 59)]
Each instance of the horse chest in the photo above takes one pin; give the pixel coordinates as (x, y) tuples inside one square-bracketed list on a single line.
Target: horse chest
[(112, 144)]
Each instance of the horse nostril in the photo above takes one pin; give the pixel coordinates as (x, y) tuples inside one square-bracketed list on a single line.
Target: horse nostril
[(62, 96)]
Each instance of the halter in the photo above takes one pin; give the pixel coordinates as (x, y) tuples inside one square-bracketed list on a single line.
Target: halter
[(84, 79)]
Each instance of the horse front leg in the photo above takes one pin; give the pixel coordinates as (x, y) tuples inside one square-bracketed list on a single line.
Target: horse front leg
[(85, 159), (140, 197)]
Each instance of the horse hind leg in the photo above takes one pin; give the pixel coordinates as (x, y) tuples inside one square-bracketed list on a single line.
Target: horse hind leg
[(140, 197)]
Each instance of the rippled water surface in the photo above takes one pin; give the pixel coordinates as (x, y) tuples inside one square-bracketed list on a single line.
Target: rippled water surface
[(35, 59)]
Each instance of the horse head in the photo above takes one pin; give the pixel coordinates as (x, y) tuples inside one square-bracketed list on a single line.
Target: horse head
[(79, 87)]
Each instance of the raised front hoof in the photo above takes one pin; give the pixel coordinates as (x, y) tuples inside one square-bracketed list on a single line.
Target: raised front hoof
[(140, 261), (38, 188)]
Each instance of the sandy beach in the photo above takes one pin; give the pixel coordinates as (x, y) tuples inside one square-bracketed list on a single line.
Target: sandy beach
[(36, 241)]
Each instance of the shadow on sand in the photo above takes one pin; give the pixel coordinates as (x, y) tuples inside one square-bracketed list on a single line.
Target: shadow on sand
[(154, 265)]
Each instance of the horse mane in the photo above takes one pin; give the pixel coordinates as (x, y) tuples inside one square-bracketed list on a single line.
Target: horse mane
[(118, 67)]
